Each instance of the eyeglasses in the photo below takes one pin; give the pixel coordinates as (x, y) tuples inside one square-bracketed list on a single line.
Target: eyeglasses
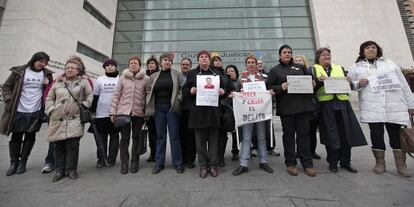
[(185, 64), (71, 68)]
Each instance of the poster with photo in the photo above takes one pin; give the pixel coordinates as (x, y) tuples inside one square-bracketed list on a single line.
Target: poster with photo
[(208, 90)]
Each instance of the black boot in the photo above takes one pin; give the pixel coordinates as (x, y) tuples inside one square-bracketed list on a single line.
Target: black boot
[(14, 150), (26, 149), (134, 156), (12, 169)]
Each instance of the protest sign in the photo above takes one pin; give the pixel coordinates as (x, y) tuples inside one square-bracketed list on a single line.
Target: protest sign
[(207, 90), (299, 84), (384, 82), (336, 85)]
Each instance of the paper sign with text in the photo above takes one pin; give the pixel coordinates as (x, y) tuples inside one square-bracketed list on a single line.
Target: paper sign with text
[(251, 107)]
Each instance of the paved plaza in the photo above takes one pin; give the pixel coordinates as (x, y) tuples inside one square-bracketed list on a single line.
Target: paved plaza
[(107, 187)]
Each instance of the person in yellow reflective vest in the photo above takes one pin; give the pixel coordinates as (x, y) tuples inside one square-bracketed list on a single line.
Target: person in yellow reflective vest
[(339, 128)]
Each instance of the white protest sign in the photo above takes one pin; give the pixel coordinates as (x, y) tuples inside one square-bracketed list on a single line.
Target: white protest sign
[(256, 86), (336, 85), (251, 107), (299, 84), (207, 90), (384, 82)]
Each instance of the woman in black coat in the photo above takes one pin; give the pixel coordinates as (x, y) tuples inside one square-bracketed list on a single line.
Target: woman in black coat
[(294, 111), (205, 120)]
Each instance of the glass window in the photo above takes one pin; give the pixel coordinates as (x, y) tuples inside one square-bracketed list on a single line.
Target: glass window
[(128, 36), (233, 28), (95, 13), (294, 11), (130, 47), (85, 50), (293, 2), (298, 32)]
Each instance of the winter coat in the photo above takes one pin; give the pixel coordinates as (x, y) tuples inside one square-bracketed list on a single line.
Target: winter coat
[(129, 95), (202, 116), (63, 111), (12, 90), (288, 104), (387, 106), (175, 96)]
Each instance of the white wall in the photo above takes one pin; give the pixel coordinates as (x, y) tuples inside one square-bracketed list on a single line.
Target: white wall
[(53, 26), (343, 25)]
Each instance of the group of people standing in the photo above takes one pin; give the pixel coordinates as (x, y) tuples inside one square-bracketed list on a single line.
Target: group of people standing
[(164, 100)]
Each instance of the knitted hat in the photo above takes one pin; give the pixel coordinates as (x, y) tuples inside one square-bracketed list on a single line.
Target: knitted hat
[(109, 62)]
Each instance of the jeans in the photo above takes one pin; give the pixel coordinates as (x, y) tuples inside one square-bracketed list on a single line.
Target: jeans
[(261, 143), (20, 150), (50, 158), (164, 118), (377, 135), (152, 136)]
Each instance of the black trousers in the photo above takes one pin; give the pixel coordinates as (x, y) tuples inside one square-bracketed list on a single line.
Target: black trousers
[(313, 127), (50, 157), (207, 146), (102, 150), (222, 143), (295, 129), (234, 143), (343, 154), (377, 135), (67, 155), (135, 126), (188, 140), (19, 149), (268, 146), (152, 136)]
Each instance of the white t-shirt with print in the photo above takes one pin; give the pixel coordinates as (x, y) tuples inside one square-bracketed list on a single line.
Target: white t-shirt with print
[(32, 91), (105, 87)]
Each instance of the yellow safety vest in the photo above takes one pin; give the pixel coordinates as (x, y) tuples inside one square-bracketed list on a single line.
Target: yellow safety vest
[(336, 71)]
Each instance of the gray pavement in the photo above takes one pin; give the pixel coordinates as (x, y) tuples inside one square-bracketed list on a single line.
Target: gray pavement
[(107, 187)]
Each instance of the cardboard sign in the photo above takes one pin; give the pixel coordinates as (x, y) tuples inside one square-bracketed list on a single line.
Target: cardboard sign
[(299, 84), (336, 85)]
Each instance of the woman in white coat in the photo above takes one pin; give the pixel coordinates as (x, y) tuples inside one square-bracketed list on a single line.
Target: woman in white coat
[(378, 107)]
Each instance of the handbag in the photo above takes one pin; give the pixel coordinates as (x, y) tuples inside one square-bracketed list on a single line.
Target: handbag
[(407, 138), (84, 111), (142, 140), (121, 121)]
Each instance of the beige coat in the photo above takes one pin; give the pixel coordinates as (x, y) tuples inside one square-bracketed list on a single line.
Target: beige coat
[(129, 94), (63, 111), (175, 95)]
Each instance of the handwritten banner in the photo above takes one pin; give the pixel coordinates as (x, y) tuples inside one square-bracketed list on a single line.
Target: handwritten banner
[(256, 86), (251, 107), (384, 82), (299, 84), (336, 85)]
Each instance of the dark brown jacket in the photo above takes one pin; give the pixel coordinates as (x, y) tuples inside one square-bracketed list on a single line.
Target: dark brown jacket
[(12, 90)]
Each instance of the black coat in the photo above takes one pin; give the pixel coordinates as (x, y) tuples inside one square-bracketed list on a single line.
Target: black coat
[(328, 127), (202, 116), (288, 104)]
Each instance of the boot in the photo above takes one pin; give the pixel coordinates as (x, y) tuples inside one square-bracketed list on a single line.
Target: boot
[(134, 156), (14, 150), (134, 166), (379, 161), (400, 157), (124, 154), (26, 149), (12, 169)]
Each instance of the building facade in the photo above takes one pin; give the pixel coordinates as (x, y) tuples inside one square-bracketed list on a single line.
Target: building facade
[(232, 29)]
